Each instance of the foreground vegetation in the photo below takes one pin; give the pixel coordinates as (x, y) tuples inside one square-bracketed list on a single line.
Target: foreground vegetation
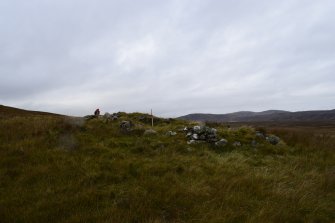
[(61, 169)]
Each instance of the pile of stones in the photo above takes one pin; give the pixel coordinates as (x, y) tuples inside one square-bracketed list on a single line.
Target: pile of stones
[(199, 134), (110, 117)]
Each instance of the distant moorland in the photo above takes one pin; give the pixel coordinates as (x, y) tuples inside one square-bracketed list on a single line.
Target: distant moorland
[(265, 116)]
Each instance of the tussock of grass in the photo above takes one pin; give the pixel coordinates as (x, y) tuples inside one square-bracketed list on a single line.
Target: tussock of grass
[(56, 169)]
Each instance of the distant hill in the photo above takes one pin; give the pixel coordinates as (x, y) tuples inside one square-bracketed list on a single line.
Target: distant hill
[(265, 116), (6, 112)]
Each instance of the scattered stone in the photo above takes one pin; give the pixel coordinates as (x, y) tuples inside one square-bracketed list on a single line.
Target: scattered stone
[(119, 114), (272, 139), (192, 141), (237, 144), (107, 115), (150, 132), (171, 133), (197, 129), (114, 116), (211, 138), (260, 135), (181, 130), (125, 125), (110, 117), (221, 142)]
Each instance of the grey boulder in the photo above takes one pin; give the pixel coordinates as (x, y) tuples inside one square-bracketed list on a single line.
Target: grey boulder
[(125, 125), (221, 142), (272, 139)]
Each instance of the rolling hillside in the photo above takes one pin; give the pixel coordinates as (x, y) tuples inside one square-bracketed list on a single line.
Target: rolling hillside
[(265, 116), (7, 112)]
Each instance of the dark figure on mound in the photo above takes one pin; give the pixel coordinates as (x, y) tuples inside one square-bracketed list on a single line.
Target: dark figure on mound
[(97, 113)]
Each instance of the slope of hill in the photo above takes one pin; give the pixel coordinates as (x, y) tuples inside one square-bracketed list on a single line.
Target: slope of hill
[(266, 116), (6, 112), (61, 169)]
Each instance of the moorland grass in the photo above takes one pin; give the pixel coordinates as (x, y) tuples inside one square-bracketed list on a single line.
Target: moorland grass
[(58, 169)]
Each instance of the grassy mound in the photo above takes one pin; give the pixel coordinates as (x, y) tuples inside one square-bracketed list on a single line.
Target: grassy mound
[(61, 169)]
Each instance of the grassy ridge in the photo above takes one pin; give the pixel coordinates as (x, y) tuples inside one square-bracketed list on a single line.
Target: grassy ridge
[(56, 169)]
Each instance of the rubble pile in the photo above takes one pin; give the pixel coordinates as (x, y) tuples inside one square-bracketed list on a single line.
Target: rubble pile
[(199, 134)]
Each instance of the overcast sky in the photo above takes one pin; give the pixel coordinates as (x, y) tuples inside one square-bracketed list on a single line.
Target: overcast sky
[(174, 56)]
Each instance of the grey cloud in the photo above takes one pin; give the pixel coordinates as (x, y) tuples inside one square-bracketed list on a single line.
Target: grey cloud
[(173, 56)]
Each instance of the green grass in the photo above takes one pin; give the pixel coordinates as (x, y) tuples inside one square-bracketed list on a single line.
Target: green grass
[(58, 169)]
